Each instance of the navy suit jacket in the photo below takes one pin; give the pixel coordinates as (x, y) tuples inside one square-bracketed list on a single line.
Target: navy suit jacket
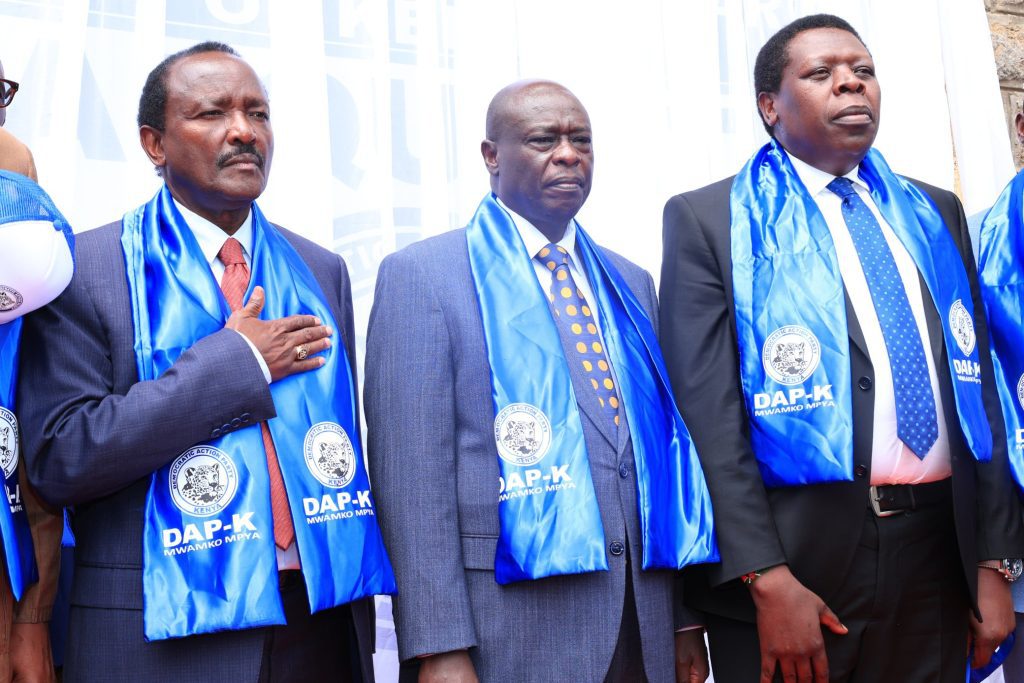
[(434, 465), (94, 434)]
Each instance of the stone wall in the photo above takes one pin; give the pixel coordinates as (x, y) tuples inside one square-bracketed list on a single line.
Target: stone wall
[(1006, 19)]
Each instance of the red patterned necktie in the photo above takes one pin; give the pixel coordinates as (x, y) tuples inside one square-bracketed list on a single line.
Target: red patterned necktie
[(233, 284)]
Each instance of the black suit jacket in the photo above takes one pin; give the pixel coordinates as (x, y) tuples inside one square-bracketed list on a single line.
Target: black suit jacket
[(94, 434), (815, 528)]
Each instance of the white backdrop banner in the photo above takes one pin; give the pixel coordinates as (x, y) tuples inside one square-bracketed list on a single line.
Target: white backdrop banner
[(378, 106)]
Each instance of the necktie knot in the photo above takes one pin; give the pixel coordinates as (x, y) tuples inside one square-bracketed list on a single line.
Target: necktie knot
[(842, 187), (231, 253), (553, 256)]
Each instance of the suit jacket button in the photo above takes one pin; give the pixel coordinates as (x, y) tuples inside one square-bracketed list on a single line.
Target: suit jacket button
[(860, 470), (245, 417), (215, 434), (864, 383), (236, 423), (616, 548), (623, 470)]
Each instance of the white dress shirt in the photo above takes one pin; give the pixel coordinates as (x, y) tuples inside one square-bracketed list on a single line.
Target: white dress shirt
[(211, 238), (534, 240), (891, 461)]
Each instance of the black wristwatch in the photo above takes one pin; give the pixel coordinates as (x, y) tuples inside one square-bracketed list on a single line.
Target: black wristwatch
[(1010, 568)]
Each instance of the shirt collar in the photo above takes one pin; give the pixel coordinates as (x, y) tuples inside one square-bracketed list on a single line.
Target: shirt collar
[(534, 239), (210, 237), (816, 181)]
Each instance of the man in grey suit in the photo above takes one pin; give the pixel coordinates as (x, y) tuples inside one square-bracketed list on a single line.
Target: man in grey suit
[(96, 433), (432, 432)]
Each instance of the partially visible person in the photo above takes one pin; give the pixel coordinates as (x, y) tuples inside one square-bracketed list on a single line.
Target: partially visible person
[(35, 266), (1001, 274)]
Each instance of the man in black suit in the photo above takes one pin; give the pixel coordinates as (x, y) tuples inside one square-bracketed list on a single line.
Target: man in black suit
[(819, 581)]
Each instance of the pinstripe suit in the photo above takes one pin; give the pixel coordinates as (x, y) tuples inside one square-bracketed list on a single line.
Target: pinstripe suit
[(434, 466)]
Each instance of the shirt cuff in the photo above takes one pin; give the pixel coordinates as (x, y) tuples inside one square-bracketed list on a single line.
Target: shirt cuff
[(259, 357), (694, 627)]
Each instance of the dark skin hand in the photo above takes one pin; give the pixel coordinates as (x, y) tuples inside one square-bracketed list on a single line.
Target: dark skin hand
[(448, 667), (996, 606), (31, 661), (276, 340), (691, 657), (789, 621)]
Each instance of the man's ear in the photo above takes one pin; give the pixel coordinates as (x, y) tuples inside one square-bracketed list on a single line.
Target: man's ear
[(766, 107), (1020, 127), (489, 151), (152, 141)]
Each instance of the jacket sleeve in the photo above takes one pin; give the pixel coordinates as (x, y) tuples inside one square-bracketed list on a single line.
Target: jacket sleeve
[(409, 399), (83, 439), (699, 341)]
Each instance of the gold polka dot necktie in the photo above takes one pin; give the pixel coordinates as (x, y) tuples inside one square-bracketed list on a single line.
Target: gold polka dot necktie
[(575, 321)]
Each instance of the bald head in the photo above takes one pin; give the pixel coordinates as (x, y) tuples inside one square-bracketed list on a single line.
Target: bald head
[(516, 97), (538, 152)]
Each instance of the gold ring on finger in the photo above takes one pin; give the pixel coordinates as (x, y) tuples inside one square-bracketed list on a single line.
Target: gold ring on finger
[(301, 352)]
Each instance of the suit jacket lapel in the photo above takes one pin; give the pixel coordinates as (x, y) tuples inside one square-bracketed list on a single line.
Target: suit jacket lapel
[(853, 326), (936, 335)]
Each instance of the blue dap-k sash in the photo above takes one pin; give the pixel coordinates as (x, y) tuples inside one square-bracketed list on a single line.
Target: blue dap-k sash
[(1001, 275), (209, 555), (21, 199), (549, 519), (791, 316)]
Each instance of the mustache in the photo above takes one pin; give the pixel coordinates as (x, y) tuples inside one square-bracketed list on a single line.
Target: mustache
[(247, 148)]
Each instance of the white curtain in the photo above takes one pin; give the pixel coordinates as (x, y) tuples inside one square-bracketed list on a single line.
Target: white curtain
[(378, 105)]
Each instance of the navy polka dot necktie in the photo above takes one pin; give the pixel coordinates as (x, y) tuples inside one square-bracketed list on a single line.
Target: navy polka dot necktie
[(915, 404), (575, 321)]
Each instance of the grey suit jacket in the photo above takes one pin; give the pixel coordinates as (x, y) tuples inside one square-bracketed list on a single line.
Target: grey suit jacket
[(94, 434), (434, 465), (814, 528)]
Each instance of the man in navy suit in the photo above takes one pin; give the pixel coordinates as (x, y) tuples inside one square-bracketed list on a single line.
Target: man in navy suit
[(432, 435), (95, 433)]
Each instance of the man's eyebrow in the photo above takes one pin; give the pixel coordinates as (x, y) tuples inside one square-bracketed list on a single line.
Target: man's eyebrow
[(225, 99)]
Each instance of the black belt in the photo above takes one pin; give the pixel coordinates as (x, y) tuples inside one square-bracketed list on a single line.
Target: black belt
[(892, 499), (289, 579)]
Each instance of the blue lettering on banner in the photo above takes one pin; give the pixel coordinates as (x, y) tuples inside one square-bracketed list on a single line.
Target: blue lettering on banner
[(237, 22)]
